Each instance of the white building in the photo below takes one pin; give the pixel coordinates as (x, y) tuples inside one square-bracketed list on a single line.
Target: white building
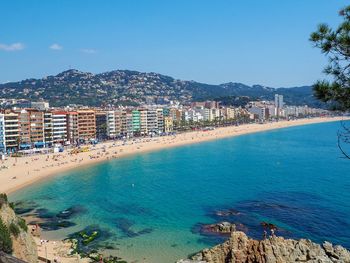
[(279, 101), (59, 127), (261, 112), (111, 128), (40, 105), (2, 134), (11, 131)]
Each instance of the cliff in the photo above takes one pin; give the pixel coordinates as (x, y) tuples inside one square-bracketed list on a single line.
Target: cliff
[(14, 236), (239, 248)]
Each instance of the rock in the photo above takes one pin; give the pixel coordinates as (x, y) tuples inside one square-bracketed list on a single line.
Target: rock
[(241, 249), (222, 227)]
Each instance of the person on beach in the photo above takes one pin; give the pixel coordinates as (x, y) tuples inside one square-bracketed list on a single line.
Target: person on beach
[(273, 232)]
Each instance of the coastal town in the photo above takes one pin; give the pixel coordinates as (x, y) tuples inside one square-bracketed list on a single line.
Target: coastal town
[(174, 131), (33, 127)]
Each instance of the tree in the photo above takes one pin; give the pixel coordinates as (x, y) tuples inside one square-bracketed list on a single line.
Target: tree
[(335, 44), (5, 238)]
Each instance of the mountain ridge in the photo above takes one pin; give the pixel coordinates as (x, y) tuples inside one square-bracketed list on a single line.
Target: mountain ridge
[(129, 87)]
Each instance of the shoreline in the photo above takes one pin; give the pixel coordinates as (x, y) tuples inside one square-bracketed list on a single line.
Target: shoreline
[(25, 171)]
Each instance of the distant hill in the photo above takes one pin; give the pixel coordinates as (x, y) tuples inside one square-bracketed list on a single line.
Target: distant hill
[(133, 88)]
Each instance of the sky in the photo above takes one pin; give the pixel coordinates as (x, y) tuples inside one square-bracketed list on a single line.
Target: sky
[(212, 41)]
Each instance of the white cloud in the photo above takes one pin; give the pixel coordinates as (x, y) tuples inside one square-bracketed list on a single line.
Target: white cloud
[(11, 47), (88, 50), (56, 46)]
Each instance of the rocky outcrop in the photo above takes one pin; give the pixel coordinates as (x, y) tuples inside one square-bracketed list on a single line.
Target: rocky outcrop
[(221, 228), (23, 244), (241, 249)]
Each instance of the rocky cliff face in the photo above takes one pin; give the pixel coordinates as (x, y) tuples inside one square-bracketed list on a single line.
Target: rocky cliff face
[(241, 249), (23, 245)]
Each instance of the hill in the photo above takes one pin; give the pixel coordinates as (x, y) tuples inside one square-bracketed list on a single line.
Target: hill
[(127, 87)]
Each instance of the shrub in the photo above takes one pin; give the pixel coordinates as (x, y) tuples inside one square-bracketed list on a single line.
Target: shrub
[(5, 238), (12, 205), (22, 224), (3, 199), (14, 229)]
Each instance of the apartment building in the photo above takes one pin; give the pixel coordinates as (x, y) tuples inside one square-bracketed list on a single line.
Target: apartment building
[(136, 122), (48, 129), (129, 124), (86, 124), (72, 126), (31, 128), (168, 124), (160, 120), (11, 131), (101, 125), (59, 127), (143, 122), (2, 134), (110, 123), (152, 121)]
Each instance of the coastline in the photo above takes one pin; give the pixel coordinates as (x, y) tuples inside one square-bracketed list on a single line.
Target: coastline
[(25, 171)]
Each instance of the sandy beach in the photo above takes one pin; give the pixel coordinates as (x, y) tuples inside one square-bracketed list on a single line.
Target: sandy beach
[(16, 173), (24, 171)]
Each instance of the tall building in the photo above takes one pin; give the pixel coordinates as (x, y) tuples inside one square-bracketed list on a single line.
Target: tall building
[(152, 121), (129, 124), (2, 134), (11, 131), (279, 101), (48, 128), (110, 123), (160, 121), (143, 121), (168, 124), (136, 122), (59, 127), (86, 124), (72, 126), (31, 128), (101, 125)]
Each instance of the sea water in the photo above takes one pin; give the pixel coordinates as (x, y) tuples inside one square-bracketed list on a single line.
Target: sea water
[(151, 204)]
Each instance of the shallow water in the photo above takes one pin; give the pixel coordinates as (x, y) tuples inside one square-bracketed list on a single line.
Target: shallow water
[(150, 204)]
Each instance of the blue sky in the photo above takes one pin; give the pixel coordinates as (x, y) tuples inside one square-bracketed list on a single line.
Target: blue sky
[(213, 41)]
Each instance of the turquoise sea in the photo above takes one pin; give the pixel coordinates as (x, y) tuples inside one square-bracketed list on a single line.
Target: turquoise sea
[(151, 206)]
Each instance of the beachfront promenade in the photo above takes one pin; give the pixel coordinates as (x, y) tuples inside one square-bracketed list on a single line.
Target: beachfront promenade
[(18, 172)]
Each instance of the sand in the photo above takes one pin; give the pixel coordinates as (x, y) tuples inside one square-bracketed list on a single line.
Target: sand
[(17, 173)]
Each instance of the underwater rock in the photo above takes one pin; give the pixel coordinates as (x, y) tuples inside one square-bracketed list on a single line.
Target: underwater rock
[(55, 225), (89, 239), (71, 212)]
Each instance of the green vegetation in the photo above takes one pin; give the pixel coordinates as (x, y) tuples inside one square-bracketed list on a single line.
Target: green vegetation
[(133, 88), (14, 229), (12, 205), (22, 224), (335, 44), (3, 199), (5, 238), (88, 238)]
